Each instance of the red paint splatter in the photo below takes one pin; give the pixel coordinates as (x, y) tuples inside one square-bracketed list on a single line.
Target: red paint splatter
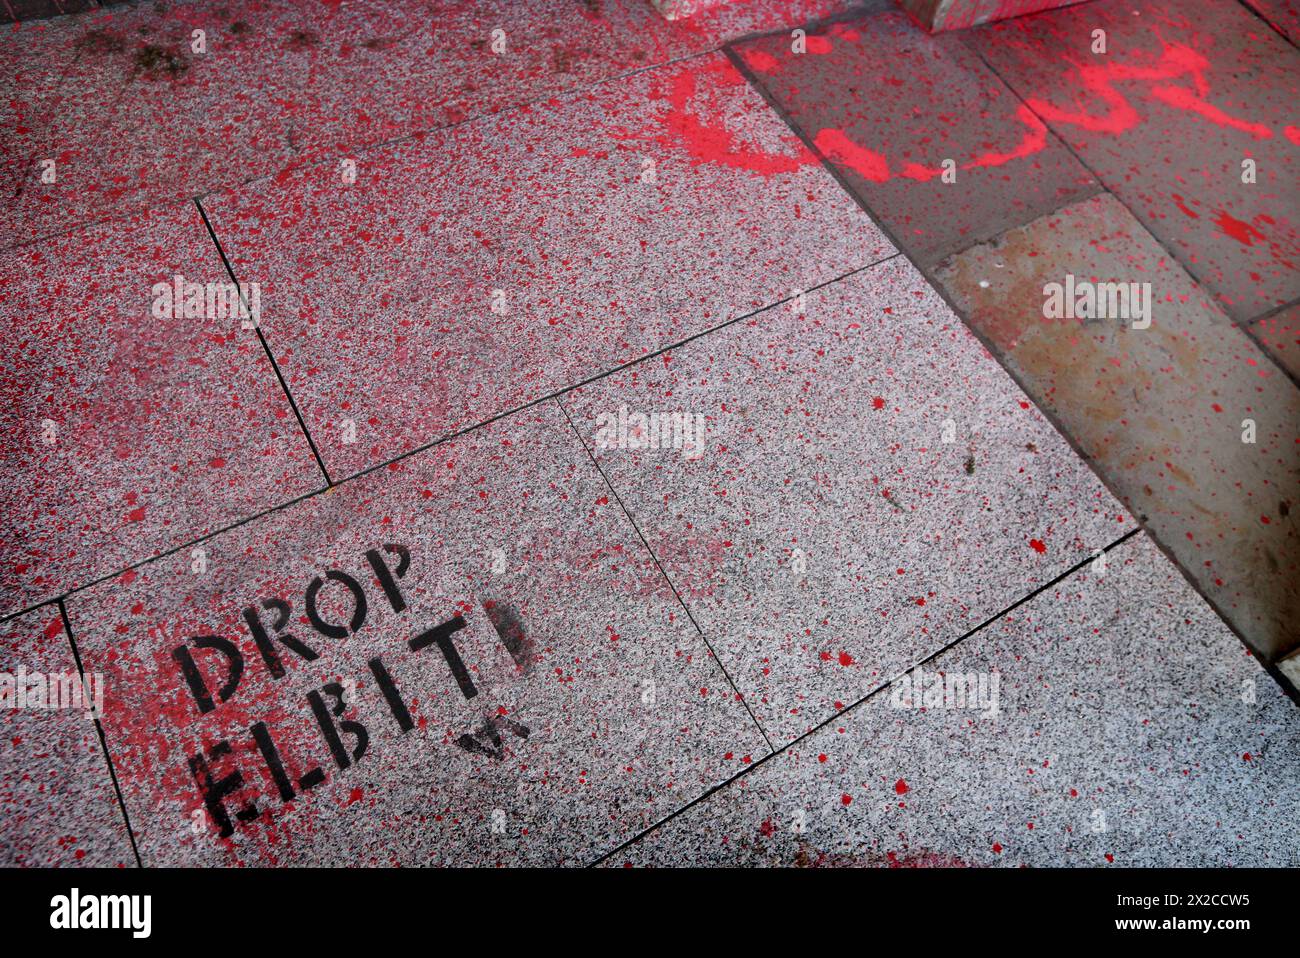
[(1176, 60), (1239, 230), (1178, 201), (1034, 141), (1183, 99), (868, 164), (713, 142), (762, 62)]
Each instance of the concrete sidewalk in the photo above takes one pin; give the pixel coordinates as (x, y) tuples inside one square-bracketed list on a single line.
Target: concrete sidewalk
[(631, 418)]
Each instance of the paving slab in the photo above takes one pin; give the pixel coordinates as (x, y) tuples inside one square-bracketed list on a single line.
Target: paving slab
[(27, 10), (58, 807), (959, 14), (935, 145), (1187, 419), (1201, 72), (33, 58), (467, 273), (147, 118), (854, 487), (478, 663), (130, 431), (1131, 729), (1280, 336), (720, 22), (1282, 15)]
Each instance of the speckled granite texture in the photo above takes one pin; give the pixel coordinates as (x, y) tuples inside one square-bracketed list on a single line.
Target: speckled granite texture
[(1132, 730), (634, 410)]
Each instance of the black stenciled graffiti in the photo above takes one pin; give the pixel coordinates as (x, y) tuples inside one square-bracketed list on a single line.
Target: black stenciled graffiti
[(487, 740), (221, 783), (266, 634), (440, 635)]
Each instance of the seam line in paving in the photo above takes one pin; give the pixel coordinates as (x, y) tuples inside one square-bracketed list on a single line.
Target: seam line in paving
[(872, 694), (939, 289), (1098, 189), (332, 153), (99, 728), (162, 555), (436, 442), (257, 328), (739, 63), (663, 572), (1187, 266), (1249, 329), (619, 368), (1267, 22), (1270, 313)]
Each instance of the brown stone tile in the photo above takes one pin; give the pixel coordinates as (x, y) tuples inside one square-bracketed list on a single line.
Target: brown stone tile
[(1164, 412)]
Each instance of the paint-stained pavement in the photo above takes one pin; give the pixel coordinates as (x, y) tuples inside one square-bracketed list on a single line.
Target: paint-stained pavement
[(1132, 731), (888, 105), (826, 420), (634, 412), (1163, 413)]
